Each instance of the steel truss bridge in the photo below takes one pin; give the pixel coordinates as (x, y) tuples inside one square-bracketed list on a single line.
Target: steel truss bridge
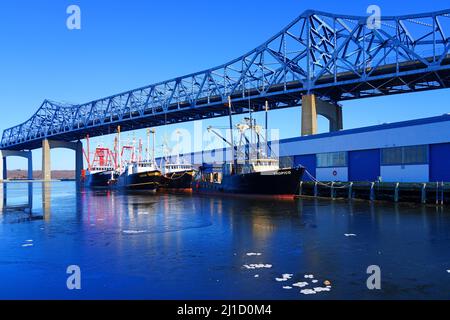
[(336, 57)]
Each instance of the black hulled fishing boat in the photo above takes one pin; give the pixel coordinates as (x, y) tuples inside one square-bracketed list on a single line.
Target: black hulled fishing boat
[(100, 170), (178, 176), (139, 174), (253, 171)]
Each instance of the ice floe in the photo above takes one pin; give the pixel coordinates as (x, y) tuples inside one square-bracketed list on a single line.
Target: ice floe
[(256, 275), (257, 266), (300, 284), (350, 235), (308, 291), (285, 277), (315, 281), (287, 288), (320, 289), (133, 231), (315, 290), (448, 271), (27, 245), (254, 254), (309, 276)]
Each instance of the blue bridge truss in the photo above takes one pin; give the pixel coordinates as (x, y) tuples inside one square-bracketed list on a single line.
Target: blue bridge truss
[(336, 57)]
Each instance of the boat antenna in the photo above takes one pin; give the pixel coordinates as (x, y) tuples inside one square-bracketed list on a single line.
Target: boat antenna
[(230, 111)]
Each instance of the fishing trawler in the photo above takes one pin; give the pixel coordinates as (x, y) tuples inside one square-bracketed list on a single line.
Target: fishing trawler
[(178, 175), (101, 170), (253, 171), (137, 173)]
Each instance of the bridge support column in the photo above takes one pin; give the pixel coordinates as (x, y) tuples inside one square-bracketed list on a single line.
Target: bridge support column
[(4, 154), (46, 161), (311, 107), (3, 167), (47, 145), (79, 162), (30, 166)]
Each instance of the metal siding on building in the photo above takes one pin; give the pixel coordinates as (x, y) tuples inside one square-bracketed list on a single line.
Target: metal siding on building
[(332, 174), (364, 165), (440, 162), (309, 162), (405, 173)]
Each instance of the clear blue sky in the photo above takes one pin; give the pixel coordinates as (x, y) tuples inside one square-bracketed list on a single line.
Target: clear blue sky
[(128, 44)]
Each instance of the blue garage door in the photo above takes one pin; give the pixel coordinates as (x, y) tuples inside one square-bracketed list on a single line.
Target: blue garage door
[(364, 165), (309, 162), (439, 162)]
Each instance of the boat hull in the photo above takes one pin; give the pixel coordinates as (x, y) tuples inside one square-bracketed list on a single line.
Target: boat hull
[(148, 181), (98, 180), (280, 182), (181, 180)]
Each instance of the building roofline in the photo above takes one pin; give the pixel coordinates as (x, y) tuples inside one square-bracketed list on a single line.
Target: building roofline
[(386, 126)]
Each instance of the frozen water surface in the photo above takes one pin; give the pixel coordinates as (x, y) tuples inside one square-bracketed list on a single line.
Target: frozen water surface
[(159, 246)]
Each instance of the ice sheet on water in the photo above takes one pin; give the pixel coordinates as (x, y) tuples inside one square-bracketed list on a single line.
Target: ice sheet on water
[(320, 289), (308, 291), (133, 231), (300, 284), (257, 266), (285, 277)]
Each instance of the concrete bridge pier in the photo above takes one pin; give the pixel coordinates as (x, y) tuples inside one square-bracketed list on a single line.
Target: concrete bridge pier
[(47, 145), (4, 154), (313, 106)]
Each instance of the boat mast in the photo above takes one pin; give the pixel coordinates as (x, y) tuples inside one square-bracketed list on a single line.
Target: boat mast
[(232, 138), (267, 129), (88, 153), (178, 132), (140, 150), (116, 154), (153, 132), (147, 150), (120, 149), (133, 155)]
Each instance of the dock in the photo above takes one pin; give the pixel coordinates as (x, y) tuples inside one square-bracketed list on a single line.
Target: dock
[(424, 193)]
